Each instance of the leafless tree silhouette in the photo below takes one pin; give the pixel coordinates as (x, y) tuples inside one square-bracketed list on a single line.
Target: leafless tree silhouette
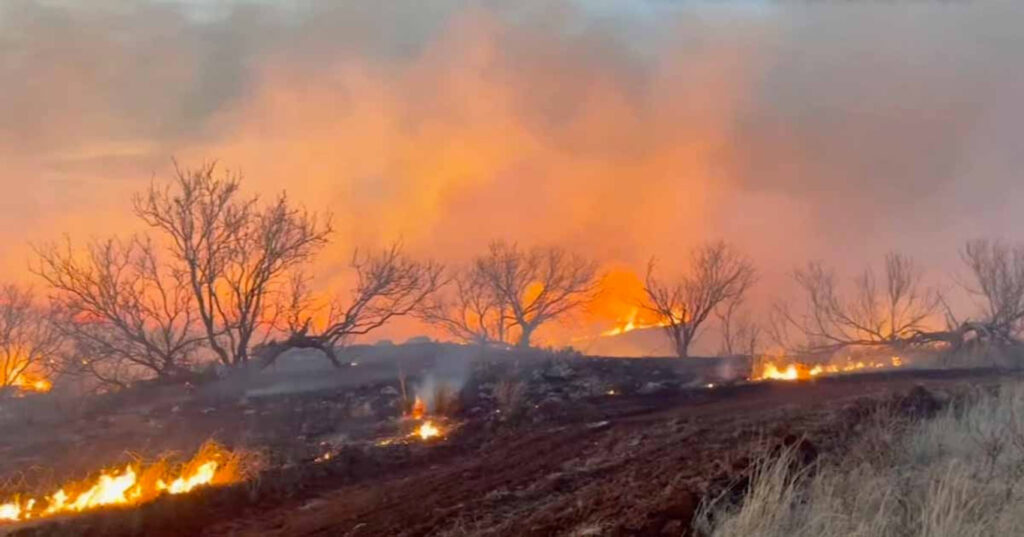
[(471, 311), (997, 272), (535, 286), (896, 311), (389, 284), (741, 335), (121, 309), (29, 342), (234, 252), (716, 275), (997, 282)]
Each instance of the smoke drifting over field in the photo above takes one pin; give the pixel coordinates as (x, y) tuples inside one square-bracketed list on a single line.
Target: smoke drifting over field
[(622, 129)]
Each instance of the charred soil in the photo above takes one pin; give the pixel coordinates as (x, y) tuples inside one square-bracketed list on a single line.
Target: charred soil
[(634, 463)]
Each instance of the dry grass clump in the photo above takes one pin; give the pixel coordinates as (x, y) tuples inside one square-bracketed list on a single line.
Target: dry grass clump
[(960, 474), (446, 400), (510, 394)]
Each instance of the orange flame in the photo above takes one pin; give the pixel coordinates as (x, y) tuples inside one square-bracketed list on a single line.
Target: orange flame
[(132, 485), (19, 372), (32, 383), (427, 431), (633, 322), (419, 409), (781, 369)]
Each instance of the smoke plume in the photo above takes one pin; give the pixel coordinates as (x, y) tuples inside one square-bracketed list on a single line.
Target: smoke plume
[(622, 129)]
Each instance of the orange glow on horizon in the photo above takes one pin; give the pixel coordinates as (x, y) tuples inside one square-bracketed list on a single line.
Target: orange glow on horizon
[(449, 150)]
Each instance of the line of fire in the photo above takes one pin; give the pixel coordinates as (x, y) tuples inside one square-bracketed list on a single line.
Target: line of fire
[(528, 268), (211, 316)]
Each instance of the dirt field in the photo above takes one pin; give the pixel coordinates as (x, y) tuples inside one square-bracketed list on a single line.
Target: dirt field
[(617, 465)]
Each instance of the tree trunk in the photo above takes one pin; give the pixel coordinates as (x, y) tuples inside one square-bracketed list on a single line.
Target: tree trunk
[(524, 338), (682, 345), (268, 353)]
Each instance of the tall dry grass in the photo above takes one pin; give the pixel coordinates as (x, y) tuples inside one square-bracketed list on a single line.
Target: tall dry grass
[(960, 474)]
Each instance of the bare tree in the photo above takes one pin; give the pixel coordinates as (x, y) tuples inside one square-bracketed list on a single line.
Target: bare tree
[(388, 285), (536, 286), (234, 252), (741, 335), (121, 309), (997, 272), (471, 311), (894, 312), (716, 275), (29, 342)]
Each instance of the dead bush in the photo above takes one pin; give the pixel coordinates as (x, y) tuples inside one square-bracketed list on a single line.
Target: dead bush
[(446, 400), (511, 396)]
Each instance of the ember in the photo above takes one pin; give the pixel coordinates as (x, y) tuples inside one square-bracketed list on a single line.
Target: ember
[(132, 485)]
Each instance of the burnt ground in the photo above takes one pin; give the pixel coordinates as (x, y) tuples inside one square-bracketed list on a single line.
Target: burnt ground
[(294, 412), (575, 460), (639, 471)]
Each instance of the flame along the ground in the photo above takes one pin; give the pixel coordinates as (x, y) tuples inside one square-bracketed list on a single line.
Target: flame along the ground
[(131, 485), (25, 380), (415, 427), (789, 370), (634, 321), (28, 383), (428, 429), (138, 483)]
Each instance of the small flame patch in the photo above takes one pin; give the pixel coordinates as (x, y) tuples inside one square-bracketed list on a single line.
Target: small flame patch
[(131, 485)]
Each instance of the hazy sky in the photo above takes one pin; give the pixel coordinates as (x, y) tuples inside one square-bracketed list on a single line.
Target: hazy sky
[(626, 129)]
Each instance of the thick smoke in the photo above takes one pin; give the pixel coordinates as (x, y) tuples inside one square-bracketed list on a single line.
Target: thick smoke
[(625, 129)]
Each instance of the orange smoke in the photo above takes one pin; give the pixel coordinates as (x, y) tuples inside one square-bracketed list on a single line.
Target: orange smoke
[(419, 409), (536, 123), (454, 150)]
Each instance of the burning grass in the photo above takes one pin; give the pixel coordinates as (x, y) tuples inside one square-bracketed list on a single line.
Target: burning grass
[(636, 320), (424, 428), (960, 473), (133, 484), (782, 368), (28, 381), (427, 431)]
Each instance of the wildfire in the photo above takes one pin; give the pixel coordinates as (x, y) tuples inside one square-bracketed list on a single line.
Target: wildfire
[(419, 409), (427, 431), (17, 373), (32, 383), (633, 322), (773, 370), (132, 485)]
